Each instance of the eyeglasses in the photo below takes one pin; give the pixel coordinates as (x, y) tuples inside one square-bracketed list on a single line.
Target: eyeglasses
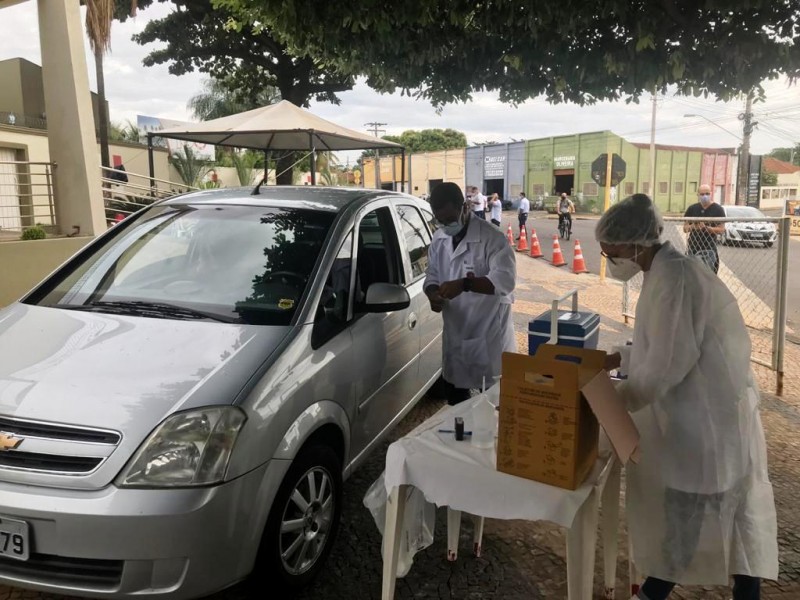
[(607, 257)]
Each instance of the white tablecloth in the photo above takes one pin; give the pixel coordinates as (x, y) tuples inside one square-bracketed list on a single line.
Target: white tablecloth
[(458, 475)]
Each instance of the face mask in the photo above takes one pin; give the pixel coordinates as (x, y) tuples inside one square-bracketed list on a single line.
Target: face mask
[(705, 199), (624, 269), (453, 228)]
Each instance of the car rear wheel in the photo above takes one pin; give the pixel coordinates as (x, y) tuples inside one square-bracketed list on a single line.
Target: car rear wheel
[(302, 523)]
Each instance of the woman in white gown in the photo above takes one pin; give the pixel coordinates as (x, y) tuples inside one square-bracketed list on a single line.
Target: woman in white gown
[(699, 502)]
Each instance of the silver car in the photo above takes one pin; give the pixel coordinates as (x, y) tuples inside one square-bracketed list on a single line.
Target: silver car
[(181, 401)]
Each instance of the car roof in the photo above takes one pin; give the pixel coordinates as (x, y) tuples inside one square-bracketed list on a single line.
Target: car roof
[(328, 199)]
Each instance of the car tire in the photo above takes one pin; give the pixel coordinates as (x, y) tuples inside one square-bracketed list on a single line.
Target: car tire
[(292, 532)]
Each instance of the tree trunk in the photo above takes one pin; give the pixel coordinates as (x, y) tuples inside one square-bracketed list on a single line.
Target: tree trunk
[(284, 174), (102, 113)]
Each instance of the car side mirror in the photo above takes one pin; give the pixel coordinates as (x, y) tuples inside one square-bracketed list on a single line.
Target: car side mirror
[(386, 297)]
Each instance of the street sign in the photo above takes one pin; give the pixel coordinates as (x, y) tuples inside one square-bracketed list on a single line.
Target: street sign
[(618, 169)]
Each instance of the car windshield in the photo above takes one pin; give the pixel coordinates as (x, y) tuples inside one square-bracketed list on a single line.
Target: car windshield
[(743, 212), (227, 263)]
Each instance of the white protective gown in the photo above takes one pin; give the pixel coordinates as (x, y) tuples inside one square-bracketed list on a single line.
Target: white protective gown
[(700, 504), (477, 327)]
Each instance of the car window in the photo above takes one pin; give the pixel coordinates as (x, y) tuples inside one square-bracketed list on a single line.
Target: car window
[(378, 259), (430, 220), (417, 239), (333, 311), (743, 212), (242, 263)]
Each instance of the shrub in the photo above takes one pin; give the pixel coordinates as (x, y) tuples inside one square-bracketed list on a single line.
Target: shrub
[(34, 233)]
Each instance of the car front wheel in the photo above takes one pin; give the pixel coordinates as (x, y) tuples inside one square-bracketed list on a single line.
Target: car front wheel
[(302, 523)]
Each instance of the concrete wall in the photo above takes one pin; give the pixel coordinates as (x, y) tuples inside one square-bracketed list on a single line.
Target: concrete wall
[(427, 167), (25, 264), (11, 99)]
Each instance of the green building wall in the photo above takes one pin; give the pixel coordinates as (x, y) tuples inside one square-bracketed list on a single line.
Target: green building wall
[(678, 171)]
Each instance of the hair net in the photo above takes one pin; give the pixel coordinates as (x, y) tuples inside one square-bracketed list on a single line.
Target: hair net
[(634, 220)]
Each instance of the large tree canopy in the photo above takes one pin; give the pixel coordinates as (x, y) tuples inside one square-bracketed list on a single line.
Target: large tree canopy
[(787, 154), (199, 36), (568, 50)]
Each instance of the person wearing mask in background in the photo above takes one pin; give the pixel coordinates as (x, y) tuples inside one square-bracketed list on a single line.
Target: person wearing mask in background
[(470, 280), (703, 236), (478, 203), (496, 208), (699, 501), (565, 209), (522, 213)]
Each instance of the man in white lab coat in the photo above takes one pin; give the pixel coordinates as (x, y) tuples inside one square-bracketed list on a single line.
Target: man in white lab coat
[(470, 280)]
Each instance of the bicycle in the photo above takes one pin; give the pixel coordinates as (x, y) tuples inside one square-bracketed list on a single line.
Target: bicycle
[(564, 230)]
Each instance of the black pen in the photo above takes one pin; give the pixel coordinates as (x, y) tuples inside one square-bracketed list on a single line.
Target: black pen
[(453, 431)]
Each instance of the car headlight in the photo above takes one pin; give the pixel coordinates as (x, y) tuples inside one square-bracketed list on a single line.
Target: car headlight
[(188, 449)]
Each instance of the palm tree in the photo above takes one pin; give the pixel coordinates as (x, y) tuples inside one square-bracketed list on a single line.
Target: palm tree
[(219, 100), (328, 166), (99, 14), (244, 163), (189, 166)]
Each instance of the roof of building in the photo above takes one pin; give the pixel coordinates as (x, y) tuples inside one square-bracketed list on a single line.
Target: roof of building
[(646, 146), (779, 167)]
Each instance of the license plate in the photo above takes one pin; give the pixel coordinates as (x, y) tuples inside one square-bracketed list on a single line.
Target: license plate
[(14, 540)]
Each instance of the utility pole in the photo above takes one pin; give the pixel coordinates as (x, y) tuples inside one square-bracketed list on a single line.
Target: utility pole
[(375, 128), (744, 150), (653, 144)]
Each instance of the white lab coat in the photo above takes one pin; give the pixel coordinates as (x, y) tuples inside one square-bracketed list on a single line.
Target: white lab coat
[(477, 327), (700, 504)]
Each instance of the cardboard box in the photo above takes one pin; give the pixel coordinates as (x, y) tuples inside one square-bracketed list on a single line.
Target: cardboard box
[(548, 430)]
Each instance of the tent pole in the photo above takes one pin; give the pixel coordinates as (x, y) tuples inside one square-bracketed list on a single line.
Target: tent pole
[(403, 170), (150, 163), (266, 167), (313, 159)]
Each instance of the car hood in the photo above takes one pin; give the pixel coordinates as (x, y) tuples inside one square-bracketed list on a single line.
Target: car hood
[(122, 373)]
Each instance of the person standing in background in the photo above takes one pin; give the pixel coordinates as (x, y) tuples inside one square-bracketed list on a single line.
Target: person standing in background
[(702, 241)]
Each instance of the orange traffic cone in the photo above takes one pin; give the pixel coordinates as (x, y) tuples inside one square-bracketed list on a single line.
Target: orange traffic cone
[(510, 236), (578, 264), (558, 258), (536, 249), (523, 241)]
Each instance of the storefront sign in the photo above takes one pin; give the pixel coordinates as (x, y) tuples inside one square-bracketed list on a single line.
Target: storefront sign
[(494, 167), (541, 165), (793, 211), (563, 162), (754, 182)]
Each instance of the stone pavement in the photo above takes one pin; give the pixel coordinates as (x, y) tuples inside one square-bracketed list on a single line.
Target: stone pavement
[(524, 560)]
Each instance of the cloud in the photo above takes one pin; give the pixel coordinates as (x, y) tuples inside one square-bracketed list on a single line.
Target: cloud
[(134, 89)]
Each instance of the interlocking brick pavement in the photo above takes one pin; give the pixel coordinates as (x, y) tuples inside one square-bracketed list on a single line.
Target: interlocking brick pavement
[(524, 560)]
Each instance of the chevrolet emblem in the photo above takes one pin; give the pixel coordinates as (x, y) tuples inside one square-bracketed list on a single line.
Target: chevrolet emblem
[(8, 441)]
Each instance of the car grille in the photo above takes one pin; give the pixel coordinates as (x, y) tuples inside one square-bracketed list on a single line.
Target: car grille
[(54, 447), (49, 462), (22, 428), (79, 572)]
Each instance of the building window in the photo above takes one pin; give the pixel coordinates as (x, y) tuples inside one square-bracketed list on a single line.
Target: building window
[(692, 187), (678, 187), (663, 187), (645, 187), (630, 188), (538, 189), (590, 189)]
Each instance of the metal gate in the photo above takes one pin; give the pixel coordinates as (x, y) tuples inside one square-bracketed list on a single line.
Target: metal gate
[(753, 263)]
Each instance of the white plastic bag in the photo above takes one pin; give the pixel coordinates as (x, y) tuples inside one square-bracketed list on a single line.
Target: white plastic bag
[(419, 519)]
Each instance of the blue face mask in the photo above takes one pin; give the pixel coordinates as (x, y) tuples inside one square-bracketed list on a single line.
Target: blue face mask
[(705, 198)]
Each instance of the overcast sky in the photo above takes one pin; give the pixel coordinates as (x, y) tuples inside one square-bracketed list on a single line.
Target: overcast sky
[(134, 89)]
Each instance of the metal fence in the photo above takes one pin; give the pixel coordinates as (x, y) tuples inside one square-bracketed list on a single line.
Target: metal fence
[(751, 255), (26, 195), (125, 193)]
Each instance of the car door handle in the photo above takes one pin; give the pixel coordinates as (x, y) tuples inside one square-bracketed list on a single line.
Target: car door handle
[(412, 321)]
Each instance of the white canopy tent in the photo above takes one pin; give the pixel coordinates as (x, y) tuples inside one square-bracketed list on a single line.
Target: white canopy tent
[(281, 126)]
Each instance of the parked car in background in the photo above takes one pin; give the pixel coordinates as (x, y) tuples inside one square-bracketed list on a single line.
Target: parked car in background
[(743, 233), (181, 401)]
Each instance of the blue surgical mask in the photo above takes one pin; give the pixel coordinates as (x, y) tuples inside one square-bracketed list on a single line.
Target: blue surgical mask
[(705, 198)]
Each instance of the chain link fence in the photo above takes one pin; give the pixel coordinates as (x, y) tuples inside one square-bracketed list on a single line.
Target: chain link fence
[(750, 255)]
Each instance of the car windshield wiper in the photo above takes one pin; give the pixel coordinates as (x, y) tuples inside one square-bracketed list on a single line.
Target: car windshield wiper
[(159, 310)]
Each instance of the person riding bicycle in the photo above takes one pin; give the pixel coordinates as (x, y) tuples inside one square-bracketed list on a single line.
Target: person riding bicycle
[(565, 208)]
